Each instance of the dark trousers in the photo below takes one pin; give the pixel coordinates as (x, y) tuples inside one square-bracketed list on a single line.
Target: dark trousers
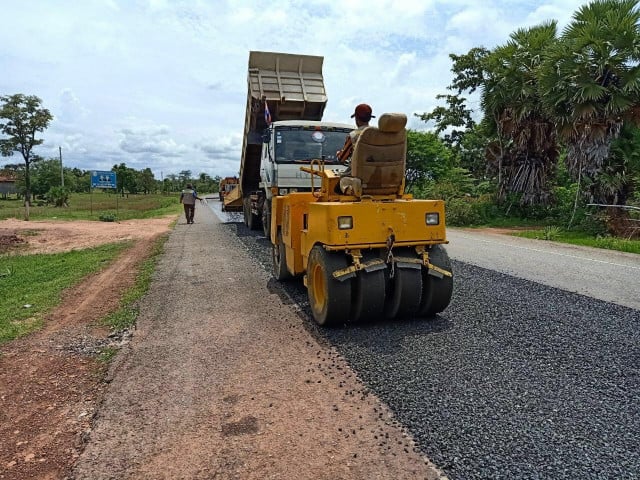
[(189, 211)]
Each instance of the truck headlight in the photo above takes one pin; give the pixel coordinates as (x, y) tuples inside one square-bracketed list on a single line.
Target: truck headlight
[(345, 223), (432, 218), (283, 191)]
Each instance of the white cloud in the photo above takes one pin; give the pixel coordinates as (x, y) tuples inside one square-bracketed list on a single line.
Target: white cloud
[(162, 84), (151, 141)]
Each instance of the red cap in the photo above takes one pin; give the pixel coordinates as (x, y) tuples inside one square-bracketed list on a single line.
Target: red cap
[(363, 112)]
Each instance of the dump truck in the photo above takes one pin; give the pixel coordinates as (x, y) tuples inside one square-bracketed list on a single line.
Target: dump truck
[(286, 99), (363, 247)]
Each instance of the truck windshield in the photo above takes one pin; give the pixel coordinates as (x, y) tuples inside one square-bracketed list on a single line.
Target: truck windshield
[(296, 144)]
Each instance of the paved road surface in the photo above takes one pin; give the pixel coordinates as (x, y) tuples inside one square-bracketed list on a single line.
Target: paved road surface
[(603, 274)]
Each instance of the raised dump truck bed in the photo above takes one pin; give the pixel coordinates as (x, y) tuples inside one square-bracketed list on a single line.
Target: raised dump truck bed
[(292, 87)]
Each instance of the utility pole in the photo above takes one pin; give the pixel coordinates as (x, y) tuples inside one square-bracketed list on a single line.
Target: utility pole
[(61, 169)]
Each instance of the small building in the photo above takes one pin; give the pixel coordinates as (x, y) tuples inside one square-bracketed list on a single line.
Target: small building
[(7, 186)]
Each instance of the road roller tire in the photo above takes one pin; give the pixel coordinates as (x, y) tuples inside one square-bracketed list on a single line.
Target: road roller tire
[(278, 258), (436, 292), (368, 293), (329, 299), (403, 293)]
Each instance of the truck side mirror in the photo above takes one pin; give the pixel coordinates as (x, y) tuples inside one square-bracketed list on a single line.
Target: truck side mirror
[(266, 137)]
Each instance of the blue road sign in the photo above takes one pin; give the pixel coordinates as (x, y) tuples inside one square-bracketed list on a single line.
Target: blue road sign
[(103, 179)]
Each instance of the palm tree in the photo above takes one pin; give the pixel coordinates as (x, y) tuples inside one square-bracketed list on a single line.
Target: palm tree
[(527, 149), (590, 85)]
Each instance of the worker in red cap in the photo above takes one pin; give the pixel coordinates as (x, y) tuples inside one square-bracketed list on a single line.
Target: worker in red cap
[(363, 114)]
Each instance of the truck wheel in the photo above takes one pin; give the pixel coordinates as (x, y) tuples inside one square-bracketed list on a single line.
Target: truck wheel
[(436, 292), (266, 218), (403, 293), (253, 220), (279, 260), (368, 294), (330, 300), (246, 211)]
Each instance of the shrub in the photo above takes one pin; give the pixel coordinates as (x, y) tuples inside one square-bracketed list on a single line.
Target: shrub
[(464, 211), (58, 196), (551, 232), (107, 217)]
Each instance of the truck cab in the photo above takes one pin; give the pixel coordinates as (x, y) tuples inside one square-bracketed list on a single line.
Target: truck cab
[(290, 144)]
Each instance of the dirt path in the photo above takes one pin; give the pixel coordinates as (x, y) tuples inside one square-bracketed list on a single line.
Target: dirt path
[(221, 380)]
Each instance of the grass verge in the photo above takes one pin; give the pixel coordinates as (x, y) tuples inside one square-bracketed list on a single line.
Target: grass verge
[(127, 313), (577, 238), (31, 285), (94, 206)]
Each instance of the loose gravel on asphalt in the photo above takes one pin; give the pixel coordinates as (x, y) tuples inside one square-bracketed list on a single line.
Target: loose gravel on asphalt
[(513, 380)]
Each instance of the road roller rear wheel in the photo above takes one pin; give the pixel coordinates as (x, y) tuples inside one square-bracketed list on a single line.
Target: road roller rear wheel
[(436, 292), (368, 294), (403, 293), (279, 259), (330, 300)]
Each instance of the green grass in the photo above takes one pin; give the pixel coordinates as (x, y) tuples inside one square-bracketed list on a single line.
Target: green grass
[(85, 206), (38, 281), (579, 238), (107, 354), (509, 222), (127, 313)]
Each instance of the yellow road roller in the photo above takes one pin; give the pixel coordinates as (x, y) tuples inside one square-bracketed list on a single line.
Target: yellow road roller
[(366, 250)]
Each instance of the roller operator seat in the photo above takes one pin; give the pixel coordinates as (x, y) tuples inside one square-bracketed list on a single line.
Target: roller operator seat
[(379, 157)]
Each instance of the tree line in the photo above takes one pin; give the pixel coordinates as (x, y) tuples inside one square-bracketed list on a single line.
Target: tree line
[(557, 133), (23, 116)]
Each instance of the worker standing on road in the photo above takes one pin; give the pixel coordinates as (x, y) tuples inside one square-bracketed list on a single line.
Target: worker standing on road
[(188, 198)]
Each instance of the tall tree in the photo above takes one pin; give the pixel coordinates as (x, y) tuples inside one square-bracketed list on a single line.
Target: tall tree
[(125, 179), (428, 158), (184, 176), (527, 151), (466, 139), (453, 121), (23, 117), (146, 180), (590, 85), (46, 174)]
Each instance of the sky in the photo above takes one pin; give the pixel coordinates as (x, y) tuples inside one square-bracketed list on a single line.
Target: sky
[(162, 83)]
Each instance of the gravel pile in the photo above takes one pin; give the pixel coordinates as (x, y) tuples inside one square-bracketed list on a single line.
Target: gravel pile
[(513, 380)]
